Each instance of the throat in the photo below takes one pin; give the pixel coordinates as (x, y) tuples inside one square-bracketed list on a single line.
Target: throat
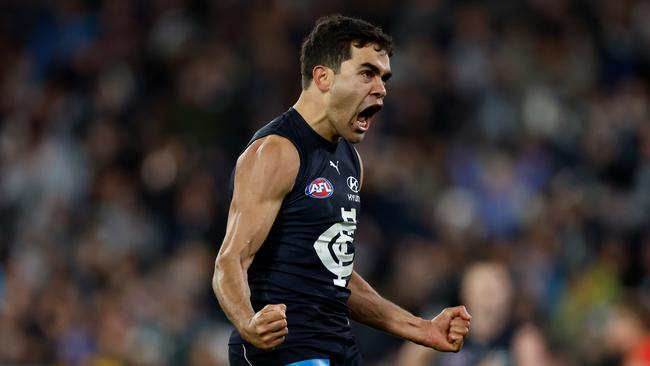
[(320, 125)]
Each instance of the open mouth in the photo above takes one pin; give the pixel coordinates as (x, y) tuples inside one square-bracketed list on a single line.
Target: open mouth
[(364, 117)]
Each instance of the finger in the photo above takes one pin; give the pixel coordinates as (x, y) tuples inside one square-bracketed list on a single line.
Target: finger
[(276, 342), (464, 313), (274, 307), (459, 322), (461, 331), (272, 336), (457, 345), (456, 333), (276, 325), (270, 316), (459, 328), (454, 337)]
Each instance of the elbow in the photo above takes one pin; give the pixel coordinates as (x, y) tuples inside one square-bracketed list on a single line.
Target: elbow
[(227, 265), (218, 272), (220, 265)]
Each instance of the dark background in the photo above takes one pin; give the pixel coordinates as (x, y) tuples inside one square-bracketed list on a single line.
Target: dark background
[(514, 131)]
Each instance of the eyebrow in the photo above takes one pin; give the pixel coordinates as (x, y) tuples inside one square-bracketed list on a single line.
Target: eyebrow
[(376, 70)]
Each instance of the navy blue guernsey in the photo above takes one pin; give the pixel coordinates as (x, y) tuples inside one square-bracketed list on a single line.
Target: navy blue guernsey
[(306, 260)]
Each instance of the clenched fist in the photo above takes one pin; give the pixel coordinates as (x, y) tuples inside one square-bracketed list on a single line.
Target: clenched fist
[(446, 332), (267, 329)]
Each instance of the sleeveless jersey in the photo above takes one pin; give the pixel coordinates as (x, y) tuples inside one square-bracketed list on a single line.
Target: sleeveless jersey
[(306, 260)]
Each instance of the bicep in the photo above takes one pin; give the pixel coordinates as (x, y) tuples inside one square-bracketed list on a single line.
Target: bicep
[(355, 281), (265, 174), (360, 290)]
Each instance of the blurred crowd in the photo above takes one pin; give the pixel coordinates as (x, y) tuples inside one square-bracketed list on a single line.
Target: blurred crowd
[(509, 170)]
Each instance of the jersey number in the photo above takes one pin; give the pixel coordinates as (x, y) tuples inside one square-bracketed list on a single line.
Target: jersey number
[(334, 247)]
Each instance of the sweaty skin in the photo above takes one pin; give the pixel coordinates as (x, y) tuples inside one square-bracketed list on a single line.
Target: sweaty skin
[(445, 332), (274, 161), (332, 106)]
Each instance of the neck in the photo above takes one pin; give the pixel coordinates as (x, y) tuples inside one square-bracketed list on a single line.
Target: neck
[(312, 109)]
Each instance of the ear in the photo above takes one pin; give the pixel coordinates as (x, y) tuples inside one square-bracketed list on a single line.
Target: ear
[(323, 77)]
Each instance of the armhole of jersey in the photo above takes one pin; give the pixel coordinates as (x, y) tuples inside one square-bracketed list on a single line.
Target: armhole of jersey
[(301, 178), (357, 161)]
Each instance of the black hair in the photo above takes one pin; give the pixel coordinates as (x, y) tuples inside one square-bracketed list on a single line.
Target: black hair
[(329, 43)]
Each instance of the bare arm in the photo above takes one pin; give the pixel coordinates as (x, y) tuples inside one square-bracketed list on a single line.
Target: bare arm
[(368, 307), (445, 332), (265, 173)]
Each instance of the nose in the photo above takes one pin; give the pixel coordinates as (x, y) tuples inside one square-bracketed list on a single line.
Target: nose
[(378, 88)]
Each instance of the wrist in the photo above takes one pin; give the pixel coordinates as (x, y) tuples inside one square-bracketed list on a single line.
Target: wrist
[(419, 334), (243, 323)]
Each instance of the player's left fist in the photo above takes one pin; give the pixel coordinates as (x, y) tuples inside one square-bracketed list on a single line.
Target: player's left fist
[(449, 329)]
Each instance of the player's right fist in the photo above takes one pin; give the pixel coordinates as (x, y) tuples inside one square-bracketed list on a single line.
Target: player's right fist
[(267, 329)]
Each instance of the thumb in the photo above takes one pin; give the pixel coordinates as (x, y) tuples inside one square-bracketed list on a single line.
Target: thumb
[(457, 344)]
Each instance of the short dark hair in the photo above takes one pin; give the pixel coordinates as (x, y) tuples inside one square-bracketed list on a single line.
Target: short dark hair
[(329, 43)]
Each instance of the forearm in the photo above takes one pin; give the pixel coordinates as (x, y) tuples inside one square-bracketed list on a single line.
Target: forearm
[(230, 285), (370, 308)]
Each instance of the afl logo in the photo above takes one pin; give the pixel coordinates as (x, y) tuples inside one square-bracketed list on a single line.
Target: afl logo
[(319, 188), (353, 183)]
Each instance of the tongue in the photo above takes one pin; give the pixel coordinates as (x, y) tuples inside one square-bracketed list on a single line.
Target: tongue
[(363, 123)]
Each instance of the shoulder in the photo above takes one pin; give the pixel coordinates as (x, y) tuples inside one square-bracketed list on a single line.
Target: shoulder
[(272, 160), (269, 147)]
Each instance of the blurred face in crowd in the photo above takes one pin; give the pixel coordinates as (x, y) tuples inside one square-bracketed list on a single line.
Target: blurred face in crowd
[(487, 291), (624, 329), (357, 92)]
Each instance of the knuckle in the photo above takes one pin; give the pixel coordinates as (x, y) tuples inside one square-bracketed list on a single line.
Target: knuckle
[(276, 342), (266, 338)]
